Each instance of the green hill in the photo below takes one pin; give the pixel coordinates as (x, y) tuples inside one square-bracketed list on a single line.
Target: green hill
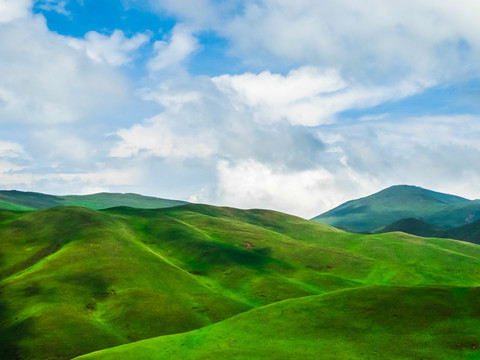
[(19, 200), (367, 323), (414, 227), (402, 202), (76, 280)]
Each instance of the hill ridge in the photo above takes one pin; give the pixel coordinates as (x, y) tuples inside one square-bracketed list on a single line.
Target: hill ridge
[(402, 202)]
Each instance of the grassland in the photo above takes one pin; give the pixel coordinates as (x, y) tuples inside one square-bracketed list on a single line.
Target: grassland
[(201, 282), (374, 323)]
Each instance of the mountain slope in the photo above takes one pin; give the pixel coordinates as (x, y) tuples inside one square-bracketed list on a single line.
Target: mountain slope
[(74, 279), (366, 323), (401, 202), (122, 274), (469, 232), (414, 227), (19, 200)]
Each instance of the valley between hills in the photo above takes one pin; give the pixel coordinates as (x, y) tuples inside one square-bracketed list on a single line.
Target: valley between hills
[(122, 276)]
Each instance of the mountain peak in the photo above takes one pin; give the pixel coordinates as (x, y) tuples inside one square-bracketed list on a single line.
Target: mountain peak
[(389, 205)]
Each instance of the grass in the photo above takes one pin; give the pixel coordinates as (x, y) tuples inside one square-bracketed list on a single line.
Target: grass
[(76, 280), (367, 323)]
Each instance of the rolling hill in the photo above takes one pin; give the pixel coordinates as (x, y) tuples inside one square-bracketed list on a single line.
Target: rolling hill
[(213, 282), (20, 200), (402, 202), (373, 323)]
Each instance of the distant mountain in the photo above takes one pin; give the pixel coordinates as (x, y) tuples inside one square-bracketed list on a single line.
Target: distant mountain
[(469, 232), (412, 226), (20, 200), (402, 202)]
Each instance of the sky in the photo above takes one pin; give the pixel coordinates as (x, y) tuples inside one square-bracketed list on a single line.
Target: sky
[(296, 106)]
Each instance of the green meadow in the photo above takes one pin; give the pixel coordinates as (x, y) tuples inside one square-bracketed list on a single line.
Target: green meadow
[(203, 282)]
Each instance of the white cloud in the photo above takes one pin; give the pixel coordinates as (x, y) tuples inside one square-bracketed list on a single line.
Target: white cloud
[(53, 5), (436, 152), (114, 50), (64, 146), (251, 184), (372, 40), (306, 96), (11, 10), (11, 150), (173, 52), (53, 182), (44, 81), (156, 139)]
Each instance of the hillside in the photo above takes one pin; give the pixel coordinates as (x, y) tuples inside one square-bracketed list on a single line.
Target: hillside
[(414, 227), (367, 323), (469, 232), (19, 200), (121, 275), (402, 202)]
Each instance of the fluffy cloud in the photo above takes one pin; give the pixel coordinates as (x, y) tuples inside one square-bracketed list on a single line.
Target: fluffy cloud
[(154, 138), (372, 40), (433, 152), (114, 50), (44, 81), (172, 52), (11, 10), (250, 184), (307, 96), (204, 119)]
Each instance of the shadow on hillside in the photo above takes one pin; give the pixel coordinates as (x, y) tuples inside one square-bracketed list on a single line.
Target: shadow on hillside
[(12, 332), (211, 254)]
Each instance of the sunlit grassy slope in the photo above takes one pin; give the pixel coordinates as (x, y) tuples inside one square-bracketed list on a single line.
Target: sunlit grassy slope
[(75, 280), (368, 323), (19, 200)]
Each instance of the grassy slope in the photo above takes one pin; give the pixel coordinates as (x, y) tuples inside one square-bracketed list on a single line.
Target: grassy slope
[(402, 202), (367, 323), (75, 279), (125, 274), (19, 200)]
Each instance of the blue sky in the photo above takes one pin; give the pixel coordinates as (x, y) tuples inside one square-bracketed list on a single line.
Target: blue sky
[(294, 106)]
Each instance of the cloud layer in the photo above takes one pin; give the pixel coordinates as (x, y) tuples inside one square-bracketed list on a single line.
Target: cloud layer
[(294, 126)]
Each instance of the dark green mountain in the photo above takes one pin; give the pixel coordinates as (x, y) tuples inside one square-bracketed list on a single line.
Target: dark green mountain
[(19, 200), (402, 202), (250, 285), (469, 232), (414, 227)]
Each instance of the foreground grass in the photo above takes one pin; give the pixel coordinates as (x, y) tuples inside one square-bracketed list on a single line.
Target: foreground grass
[(366, 323), (75, 280)]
